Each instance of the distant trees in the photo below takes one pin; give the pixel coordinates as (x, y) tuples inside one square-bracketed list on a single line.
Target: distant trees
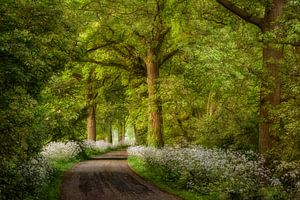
[(139, 37), (143, 38)]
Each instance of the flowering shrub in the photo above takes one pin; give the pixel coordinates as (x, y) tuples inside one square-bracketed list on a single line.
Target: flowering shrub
[(98, 145), (69, 150), (36, 172), (209, 170), (61, 150), (32, 174), (289, 175)]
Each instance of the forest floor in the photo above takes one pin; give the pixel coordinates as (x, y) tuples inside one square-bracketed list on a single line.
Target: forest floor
[(108, 177)]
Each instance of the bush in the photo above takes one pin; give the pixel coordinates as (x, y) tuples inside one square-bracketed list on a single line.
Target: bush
[(289, 175), (28, 178), (61, 150), (211, 171)]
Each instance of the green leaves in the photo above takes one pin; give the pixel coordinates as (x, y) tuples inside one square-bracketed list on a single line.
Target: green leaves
[(36, 41)]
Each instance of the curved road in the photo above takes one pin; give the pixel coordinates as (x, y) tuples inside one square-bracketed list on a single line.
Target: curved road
[(108, 177)]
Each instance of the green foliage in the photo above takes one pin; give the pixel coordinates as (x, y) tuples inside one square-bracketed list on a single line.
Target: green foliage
[(62, 110), (37, 38), (52, 190), (56, 61), (153, 174)]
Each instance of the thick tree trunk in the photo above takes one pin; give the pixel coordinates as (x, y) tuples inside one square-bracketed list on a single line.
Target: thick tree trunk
[(91, 123), (155, 131), (272, 59), (270, 89)]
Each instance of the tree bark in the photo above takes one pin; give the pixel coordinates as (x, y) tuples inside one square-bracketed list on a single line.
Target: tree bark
[(271, 87), (91, 123), (91, 94), (210, 108), (272, 61), (110, 138), (155, 131), (121, 133), (136, 136)]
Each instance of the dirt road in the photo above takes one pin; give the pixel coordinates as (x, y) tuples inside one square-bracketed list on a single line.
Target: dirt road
[(108, 177)]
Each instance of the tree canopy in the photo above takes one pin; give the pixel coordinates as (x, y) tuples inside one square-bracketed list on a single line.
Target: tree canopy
[(221, 73)]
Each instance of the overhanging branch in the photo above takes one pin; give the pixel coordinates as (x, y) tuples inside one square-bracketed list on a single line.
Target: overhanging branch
[(168, 56), (106, 63), (101, 46), (242, 13)]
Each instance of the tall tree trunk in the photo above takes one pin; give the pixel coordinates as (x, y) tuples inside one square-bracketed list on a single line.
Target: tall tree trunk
[(110, 138), (272, 59), (121, 133), (210, 107), (91, 94), (155, 132), (271, 86), (91, 123), (135, 131)]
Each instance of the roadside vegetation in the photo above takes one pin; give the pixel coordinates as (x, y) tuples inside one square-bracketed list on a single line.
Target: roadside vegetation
[(213, 77), (43, 175), (200, 173)]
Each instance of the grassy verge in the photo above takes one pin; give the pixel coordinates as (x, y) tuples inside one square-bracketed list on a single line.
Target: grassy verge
[(151, 175), (52, 190)]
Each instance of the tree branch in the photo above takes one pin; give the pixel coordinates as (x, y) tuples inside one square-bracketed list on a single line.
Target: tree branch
[(242, 13), (168, 56), (144, 38), (295, 44), (160, 38), (107, 63), (101, 46)]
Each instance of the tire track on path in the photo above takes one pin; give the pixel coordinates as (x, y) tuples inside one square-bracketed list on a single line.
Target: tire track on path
[(108, 177)]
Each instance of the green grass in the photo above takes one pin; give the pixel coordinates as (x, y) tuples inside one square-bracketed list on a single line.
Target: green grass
[(151, 175), (51, 192)]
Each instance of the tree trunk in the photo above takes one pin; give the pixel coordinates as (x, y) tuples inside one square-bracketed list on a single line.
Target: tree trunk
[(110, 138), (271, 85), (210, 108), (155, 132), (91, 94), (121, 133), (135, 131), (91, 123), (272, 59)]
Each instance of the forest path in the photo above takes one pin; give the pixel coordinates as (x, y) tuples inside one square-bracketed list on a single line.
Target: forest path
[(108, 177)]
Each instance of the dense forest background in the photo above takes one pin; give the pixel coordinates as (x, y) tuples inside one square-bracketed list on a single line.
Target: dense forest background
[(158, 72)]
